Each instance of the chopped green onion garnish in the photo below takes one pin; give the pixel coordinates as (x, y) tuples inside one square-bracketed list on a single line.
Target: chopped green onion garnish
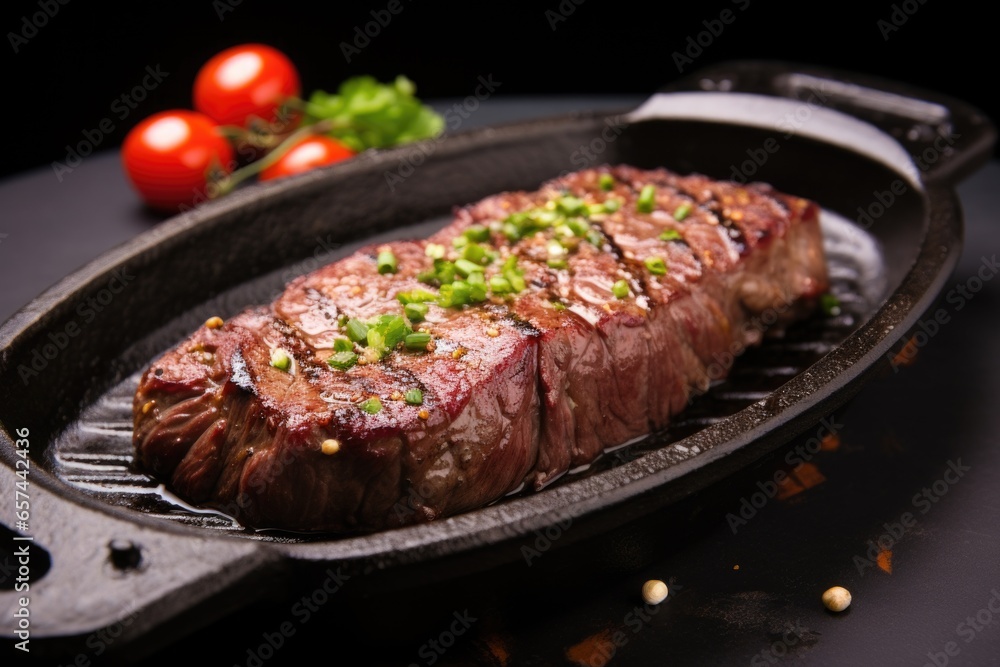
[(670, 235), (386, 262), (557, 263), (393, 328), (342, 321), (830, 305), (476, 253), (415, 311), (607, 181), (570, 205), (459, 242), (477, 233), (611, 205), (500, 285), (417, 341), (280, 359), (372, 406), (435, 250), (343, 345), (558, 306), (416, 296), (477, 287), (343, 361), (682, 211), (656, 265), (414, 397), (466, 267), (647, 198), (579, 226), (454, 294), (595, 238), (357, 330), (556, 249), (620, 289), (514, 275)]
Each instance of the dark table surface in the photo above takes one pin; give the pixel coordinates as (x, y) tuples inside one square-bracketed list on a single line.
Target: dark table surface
[(902, 507)]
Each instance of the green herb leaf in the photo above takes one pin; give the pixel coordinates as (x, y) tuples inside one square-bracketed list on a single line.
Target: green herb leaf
[(342, 361), (620, 289), (368, 114), (414, 397), (372, 406)]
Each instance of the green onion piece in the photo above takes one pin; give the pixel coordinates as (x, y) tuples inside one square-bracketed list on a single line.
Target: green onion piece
[(466, 267), (511, 231), (656, 265), (414, 396), (376, 343), (607, 181), (342, 321), (647, 198), (415, 311), (477, 287), (459, 242), (475, 253), (435, 250), (357, 330), (343, 345), (620, 289), (343, 361), (416, 296), (557, 305), (579, 226), (571, 206), (556, 249), (454, 294), (500, 285), (428, 277), (372, 406), (682, 211), (477, 233), (670, 235), (417, 341), (386, 262), (445, 271), (280, 359), (557, 263), (830, 305), (595, 238), (611, 205), (513, 274), (393, 329)]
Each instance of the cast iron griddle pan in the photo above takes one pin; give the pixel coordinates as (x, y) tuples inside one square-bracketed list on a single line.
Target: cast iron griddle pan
[(110, 546)]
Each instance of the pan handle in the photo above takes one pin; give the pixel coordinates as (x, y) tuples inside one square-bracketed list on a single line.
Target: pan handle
[(946, 138), (84, 579)]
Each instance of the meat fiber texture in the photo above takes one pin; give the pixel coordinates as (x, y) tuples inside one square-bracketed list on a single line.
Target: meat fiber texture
[(518, 388)]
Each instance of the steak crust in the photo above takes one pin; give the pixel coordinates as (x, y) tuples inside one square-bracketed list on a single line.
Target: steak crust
[(518, 388)]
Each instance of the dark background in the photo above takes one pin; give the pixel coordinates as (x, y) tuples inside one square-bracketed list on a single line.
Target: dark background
[(63, 80)]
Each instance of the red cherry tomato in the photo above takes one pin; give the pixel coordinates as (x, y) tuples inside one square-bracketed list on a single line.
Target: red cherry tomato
[(168, 158), (245, 82), (314, 151)]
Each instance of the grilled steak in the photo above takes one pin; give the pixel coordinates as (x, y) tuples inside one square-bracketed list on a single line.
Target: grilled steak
[(418, 379)]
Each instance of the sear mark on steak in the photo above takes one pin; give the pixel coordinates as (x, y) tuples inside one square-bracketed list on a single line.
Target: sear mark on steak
[(523, 385)]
